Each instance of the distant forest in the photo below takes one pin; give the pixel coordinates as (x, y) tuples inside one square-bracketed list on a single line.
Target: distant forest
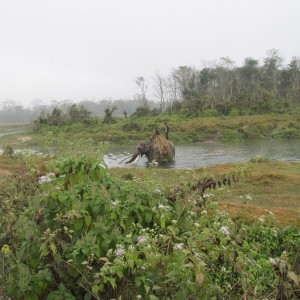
[(219, 88)]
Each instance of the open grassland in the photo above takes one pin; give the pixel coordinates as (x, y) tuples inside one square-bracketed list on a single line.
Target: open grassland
[(273, 186), (13, 126)]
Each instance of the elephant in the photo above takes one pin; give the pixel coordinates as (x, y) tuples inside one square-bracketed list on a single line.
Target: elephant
[(158, 149)]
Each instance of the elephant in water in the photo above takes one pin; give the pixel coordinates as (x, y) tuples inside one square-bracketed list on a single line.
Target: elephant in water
[(155, 149)]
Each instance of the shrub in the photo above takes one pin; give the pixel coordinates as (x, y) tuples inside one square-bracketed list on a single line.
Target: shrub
[(85, 234), (9, 151), (229, 135)]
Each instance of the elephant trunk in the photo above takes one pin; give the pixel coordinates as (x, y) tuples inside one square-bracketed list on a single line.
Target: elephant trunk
[(133, 159)]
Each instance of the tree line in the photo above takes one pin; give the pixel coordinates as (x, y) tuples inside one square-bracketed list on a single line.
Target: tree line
[(222, 86), (11, 111), (218, 88)]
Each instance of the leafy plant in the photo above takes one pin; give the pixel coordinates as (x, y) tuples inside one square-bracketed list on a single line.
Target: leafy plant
[(84, 234)]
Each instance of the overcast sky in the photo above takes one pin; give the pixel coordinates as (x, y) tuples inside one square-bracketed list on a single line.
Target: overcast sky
[(94, 49)]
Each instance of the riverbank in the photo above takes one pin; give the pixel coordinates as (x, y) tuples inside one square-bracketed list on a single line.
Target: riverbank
[(182, 130), (272, 185)]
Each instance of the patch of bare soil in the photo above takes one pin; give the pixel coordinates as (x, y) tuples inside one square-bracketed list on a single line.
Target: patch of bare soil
[(24, 138), (5, 173)]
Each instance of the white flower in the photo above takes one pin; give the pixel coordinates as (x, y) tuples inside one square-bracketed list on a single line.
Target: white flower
[(174, 222), (115, 203), (197, 225), (120, 252), (261, 219), (141, 239), (270, 212), (44, 179), (130, 248), (248, 197), (158, 191), (205, 196), (138, 297), (273, 261), (224, 230), (178, 246), (223, 270), (204, 212)]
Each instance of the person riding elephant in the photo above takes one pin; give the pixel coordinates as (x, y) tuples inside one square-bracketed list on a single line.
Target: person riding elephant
[(166, 130)]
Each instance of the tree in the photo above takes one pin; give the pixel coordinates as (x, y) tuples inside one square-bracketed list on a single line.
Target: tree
[(293, 74), (108, 118), (56, 117), (271, 70), (248, 85), (224, 73), (160, 89), (78, 113), (141, 83), (185, 77)]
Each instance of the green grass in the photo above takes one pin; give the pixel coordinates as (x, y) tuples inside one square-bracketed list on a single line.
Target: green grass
[(86, 232), (13, 126), (272, 186), (225, 129)]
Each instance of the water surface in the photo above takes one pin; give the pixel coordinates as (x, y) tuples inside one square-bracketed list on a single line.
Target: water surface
[(210, 153)]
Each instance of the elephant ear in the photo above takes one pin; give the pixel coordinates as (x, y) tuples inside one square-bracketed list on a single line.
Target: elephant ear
[(147, 147), (143, 148)]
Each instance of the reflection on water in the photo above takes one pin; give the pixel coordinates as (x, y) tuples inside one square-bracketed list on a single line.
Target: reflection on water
[(205, 154)]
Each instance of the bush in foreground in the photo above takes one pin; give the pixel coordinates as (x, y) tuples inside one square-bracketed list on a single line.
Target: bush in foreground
[(86, 235)]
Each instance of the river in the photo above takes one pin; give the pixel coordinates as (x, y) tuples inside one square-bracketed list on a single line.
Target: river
[(211, 153)]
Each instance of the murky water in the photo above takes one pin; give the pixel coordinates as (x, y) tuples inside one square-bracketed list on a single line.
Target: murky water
[(205, 154), (11, 132)]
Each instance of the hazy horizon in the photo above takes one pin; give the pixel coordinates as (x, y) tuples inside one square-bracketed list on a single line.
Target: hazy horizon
[(77, 50)]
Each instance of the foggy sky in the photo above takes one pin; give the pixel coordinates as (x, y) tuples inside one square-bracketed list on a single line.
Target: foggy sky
[(94, 49)]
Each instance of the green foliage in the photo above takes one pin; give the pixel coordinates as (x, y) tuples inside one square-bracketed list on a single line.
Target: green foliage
[(83, 234), (229, 135), (144, 111), (108, 118), (9, 151), (200, 127), (259, 159), (74, 114), (132, 126), (283, 132)]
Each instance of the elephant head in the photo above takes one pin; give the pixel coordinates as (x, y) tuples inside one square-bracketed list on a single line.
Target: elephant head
[(143, 148), (148, 148)]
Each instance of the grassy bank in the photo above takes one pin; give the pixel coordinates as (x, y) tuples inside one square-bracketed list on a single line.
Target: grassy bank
[(8, 127), (272, 185), (225, 129)]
